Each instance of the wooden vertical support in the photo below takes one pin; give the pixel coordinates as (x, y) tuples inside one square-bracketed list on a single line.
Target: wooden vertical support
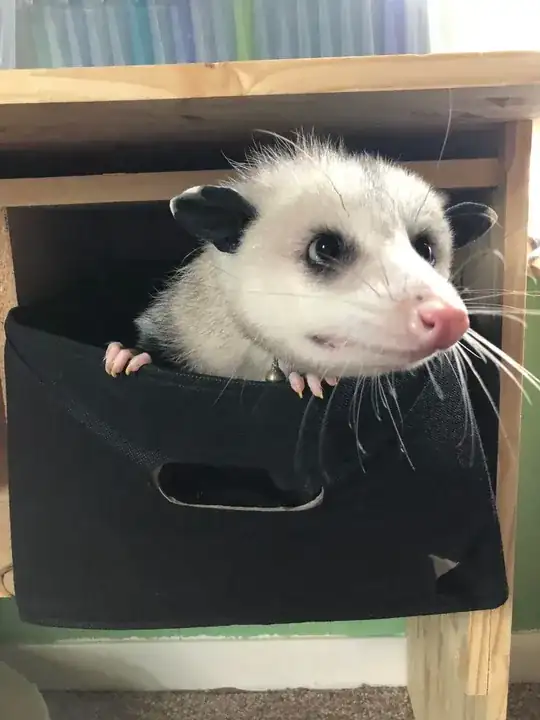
[(458, 665), (7, 301)]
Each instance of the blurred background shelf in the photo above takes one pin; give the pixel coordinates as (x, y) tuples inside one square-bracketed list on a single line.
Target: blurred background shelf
[(85, 33), (90, 33)]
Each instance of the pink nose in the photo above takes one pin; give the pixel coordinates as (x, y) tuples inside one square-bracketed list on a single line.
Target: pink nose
[(438, 325)]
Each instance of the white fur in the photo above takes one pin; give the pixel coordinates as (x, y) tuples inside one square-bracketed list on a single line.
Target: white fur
[(231, 314)]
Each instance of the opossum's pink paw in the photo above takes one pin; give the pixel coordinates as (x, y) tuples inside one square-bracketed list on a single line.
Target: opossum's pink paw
[(119, 359), (297, 383), (315, 385), (111, 354), (314, 382), (137, 362)]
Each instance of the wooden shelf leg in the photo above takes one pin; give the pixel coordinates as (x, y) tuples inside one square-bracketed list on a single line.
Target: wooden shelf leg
[(7, 301), (458, 665)]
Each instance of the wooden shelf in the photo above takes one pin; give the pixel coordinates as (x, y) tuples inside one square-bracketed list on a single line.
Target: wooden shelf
[(458, 665), (152, 187), (122, 106)]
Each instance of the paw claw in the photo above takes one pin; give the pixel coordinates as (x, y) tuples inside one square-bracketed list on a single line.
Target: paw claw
[(314, 382), (137, 362), (297, 383), (315, 385)]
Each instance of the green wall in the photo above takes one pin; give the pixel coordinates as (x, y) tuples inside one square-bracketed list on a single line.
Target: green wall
[(527, 600), (13, 630), (527, 582)]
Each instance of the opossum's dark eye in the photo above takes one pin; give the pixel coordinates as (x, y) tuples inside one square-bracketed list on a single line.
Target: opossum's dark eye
[(425, 247), (326, 249)]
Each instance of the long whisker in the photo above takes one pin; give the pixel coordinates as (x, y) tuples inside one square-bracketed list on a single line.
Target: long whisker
[(491, 313), (495, 298), (475, 256), (356, 419), (394, 395), (301, 431), (500, 292), (461, 376), (443, 148), (460, 349), (375, 398), (488, 347), (323, 428), (498, 363), (481, 305), (438, 390), (505, 310), (296, 295), (386, 405)]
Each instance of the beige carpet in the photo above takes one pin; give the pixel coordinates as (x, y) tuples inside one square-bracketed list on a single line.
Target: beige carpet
[(362, 704)]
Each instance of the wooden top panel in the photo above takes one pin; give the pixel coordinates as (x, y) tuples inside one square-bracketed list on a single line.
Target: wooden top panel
[(122, 106)]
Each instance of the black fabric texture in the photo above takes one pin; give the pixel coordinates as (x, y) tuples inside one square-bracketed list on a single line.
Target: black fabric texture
[(99, 466)]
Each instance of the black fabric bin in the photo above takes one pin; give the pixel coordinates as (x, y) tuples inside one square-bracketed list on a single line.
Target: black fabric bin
[(166, 499)]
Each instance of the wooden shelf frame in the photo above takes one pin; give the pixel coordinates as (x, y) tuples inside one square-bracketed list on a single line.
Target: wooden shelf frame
[(153, 187), (115, 107), (8, 299), (303, 76), (458, 665)]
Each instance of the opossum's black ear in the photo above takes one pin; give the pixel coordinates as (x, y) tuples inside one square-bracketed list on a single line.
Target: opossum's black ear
[(215, 214), (470, 221)]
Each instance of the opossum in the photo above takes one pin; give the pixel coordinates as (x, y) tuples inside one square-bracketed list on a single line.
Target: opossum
[(324, 263)]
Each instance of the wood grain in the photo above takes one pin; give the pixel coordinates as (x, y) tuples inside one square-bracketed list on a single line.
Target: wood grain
[(124, 106), (8, 295), (149, 187), (514, 217), (7, 301), (459, 664), (302, 76)]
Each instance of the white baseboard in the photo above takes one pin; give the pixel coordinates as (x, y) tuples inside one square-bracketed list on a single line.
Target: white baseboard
[(203, 664), (251, 664), (525, 657)]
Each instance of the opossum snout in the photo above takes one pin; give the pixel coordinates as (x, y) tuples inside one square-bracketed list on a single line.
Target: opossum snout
[(437, 325)]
